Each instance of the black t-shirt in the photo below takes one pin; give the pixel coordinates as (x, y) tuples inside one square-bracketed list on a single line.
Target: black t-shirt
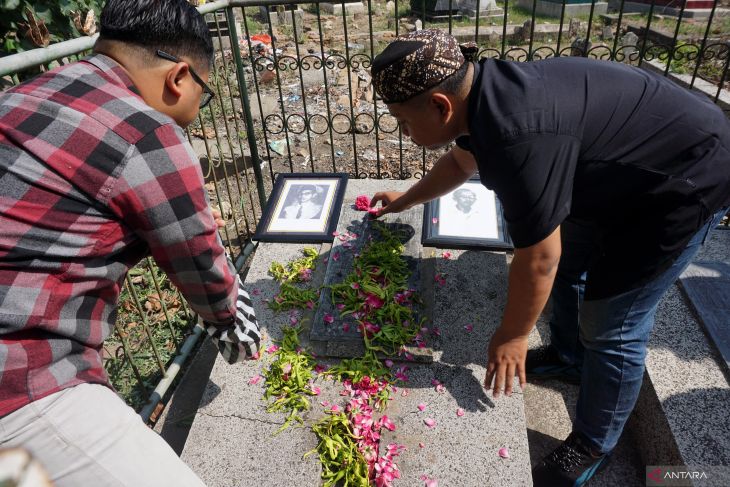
[(644, 160)]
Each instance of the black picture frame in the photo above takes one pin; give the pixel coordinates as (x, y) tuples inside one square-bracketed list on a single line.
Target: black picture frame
[(481, 227), (290, 218)]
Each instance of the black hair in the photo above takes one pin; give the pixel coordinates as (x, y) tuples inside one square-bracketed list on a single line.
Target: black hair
[(173, 26), (453, 83)]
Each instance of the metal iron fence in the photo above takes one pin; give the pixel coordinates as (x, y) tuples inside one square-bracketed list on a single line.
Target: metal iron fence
[(294, 95)]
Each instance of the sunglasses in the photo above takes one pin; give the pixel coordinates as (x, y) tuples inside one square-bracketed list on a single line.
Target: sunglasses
[(207, 94)]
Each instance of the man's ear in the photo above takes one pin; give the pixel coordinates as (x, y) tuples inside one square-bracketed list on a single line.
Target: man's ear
[(444, 106), (174, 78)]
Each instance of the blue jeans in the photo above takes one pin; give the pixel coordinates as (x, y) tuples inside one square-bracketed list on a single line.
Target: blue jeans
[(607, 337)]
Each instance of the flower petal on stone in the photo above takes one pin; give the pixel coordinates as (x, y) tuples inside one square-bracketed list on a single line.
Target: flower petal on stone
[(272, 349), (503, 452), (435, 382), (430, 422), (431, 483), (336, 256), (310, 304), (346, 327), (469, 327), (440, 389), (446, 255), (421, 445), (256, 291), (335, 233), (316, 390), (254, 380), (421, 407), (460, 412), (328, 318)]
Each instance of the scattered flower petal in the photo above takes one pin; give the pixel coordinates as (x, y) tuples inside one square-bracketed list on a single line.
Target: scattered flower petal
[(335, 233), (335, 408), (346, 327), (256, 356), (421, 407), (430, 422), (388, 363), (336, 256), (460, 412), (440, 389), (254, 380), (328, 318), (286, 368), (404, 393), (319, 368), (272, 349), (431, 483), (310, 304), (256, 291), (503, 452), (435, 382), (446, 255), (469, 327), (316, 390), (421, 445), (434, 220)]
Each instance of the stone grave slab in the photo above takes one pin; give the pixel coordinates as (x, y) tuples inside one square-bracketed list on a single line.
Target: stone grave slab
[(707, 286), (348, 343)]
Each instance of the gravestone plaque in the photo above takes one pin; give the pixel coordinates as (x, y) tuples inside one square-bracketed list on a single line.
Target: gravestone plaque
[(347, 340), (707, 286), (486, 8)]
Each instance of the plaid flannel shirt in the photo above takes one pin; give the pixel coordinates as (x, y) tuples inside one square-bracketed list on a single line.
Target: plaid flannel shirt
[(92, 180)]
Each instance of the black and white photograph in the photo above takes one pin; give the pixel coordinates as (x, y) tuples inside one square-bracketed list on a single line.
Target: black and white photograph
[(302, 208), (468, 217)]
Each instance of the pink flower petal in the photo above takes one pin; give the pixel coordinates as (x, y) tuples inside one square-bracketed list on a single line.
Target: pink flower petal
[(469, 327), (404, 393), (316, 390), (256, 292), (440, 388), (346, 327), (430, 422), (503, 452), (254, 380), (256, 356), (328, 318), (335, 408), (319, 368), (310, 304), (446, 255), (435, 382), (421, 445), (421, 407), (388, 363), (272, 349), (460, 412), (434, 220), (335, 233), (286, 368), (431, 483), (336, 256)]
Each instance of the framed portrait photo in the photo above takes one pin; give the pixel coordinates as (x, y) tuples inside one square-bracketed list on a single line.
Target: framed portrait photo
[(470, 217), (302, 208)]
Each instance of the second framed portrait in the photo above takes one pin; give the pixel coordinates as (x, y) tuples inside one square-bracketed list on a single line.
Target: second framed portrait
[(302, 208), (470, 217)]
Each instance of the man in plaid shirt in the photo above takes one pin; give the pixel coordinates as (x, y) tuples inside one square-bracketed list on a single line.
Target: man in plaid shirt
[(95, 174)]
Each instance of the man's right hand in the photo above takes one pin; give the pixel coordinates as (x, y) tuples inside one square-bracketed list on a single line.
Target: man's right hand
[(391, 202)]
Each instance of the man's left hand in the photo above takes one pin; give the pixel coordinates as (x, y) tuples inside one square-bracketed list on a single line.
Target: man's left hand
[(506, 359)]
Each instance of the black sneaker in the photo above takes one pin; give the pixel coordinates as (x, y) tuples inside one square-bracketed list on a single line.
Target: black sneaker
[(545, 363), (572, 464)]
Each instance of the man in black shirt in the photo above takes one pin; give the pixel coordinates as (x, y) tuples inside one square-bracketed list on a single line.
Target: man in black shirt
[(610, 178)]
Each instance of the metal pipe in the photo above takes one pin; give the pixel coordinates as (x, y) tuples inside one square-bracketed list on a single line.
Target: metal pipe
[(172, 372), (43, 55)]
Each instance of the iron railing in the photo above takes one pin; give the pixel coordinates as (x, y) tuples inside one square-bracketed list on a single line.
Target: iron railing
[(294, 95)]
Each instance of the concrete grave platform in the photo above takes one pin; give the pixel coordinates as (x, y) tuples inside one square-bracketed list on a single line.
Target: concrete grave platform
[(682, 417), (231, 440)]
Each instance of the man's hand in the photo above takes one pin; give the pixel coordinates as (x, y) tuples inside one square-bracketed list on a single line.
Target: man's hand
[(218, 218), (391, 202), (506, 359)]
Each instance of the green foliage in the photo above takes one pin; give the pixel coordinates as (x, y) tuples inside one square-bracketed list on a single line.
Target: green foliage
[(29, 25), (289, 379)]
